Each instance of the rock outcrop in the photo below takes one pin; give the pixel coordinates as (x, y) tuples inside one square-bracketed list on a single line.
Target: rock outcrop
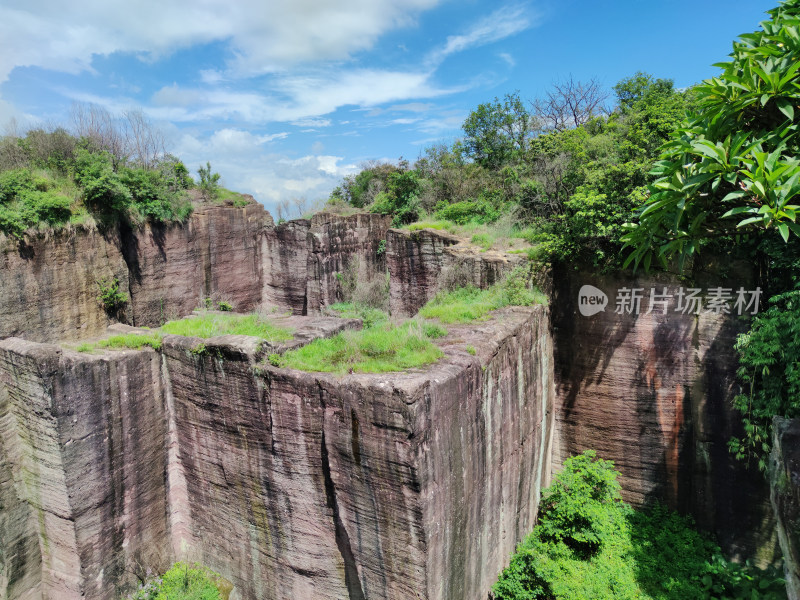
[(290, 484), (418, 261), (303, 258), (49, 287), (653, 393), (784, 475)]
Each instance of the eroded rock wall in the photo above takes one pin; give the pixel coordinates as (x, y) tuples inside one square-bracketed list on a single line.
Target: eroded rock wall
[(302, 258), (784, 476), (215, 254), (48, 286), (653, 393), (290, 484), (417, 262), (83, 439)]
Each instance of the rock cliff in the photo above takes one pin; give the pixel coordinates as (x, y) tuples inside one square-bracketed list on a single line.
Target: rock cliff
[(49, 286), (301, 485), (784, 475), (290, 484)]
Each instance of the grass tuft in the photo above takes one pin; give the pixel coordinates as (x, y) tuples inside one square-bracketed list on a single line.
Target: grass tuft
[(378, 349), (468, 304), (206, 325)]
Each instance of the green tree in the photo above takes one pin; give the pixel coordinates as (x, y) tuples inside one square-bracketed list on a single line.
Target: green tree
[(733, 167), (209, 181), (498, 132)]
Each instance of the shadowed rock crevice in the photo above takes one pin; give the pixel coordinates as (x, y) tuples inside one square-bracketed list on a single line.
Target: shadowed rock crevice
[(342, 539)]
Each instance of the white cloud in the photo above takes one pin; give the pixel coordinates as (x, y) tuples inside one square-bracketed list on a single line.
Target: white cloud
[(312, 123), (247, 166), (507, 58), (263, 36), (502, 23)]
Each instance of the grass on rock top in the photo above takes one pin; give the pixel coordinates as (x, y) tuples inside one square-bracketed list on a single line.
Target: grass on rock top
[(468, 304), (210, 324), (202, 325), (382, 348)]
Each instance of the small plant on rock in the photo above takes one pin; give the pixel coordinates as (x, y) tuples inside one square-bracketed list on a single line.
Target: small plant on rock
[(111, 297)]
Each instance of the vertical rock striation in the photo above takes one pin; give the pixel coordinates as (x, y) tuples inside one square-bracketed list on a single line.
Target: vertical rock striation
[(48, 286), (784, 476), (216, 254), (83, 439), (302, 258), (653, 393), (290, 484), (418, 261)]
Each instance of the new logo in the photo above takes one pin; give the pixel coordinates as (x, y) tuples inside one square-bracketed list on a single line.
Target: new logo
[(591, 300)]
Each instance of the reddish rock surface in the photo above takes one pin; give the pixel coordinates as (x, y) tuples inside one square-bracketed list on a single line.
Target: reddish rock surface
[(653, 393), (83, 442), (290, 484), (215, 254), (303, 257), (417, 261), (48, 287)]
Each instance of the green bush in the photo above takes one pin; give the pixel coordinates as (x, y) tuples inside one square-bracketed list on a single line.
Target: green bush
[(479, 211), (181, 582), (590, 545), (103, 190), (111, 297)]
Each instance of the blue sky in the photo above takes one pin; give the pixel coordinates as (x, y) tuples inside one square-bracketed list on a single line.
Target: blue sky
[(285, 97)]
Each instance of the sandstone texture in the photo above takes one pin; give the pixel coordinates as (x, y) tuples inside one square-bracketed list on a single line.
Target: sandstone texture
[(302, 258), (215, 254), (83, 443), (48, 287), (419, 260), (653, 393), (784, 475), (290, 484)]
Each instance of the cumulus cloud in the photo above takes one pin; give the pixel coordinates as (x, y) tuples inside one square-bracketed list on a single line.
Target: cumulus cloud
[(263, 37), (242, 157)]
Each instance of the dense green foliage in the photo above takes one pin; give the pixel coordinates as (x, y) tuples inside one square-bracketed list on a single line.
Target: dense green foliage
[(181, 582), (51, 179), (769, 358), (568, 190), (467, 304), (589, 545), (733, 166)]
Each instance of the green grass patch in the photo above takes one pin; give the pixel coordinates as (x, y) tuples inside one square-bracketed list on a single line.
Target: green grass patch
[(378, 349), (484, 240), (183, 582), (133, 341), (351, 310), (207, 325), (438, 225), (225, 196), (470, 304)]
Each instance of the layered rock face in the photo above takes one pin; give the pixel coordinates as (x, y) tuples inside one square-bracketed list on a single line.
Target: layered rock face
[(784, 476), (303, 258), (49, 288), (83, 462), (215, 254), (290, 484), (418, 260), (653, 393)]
